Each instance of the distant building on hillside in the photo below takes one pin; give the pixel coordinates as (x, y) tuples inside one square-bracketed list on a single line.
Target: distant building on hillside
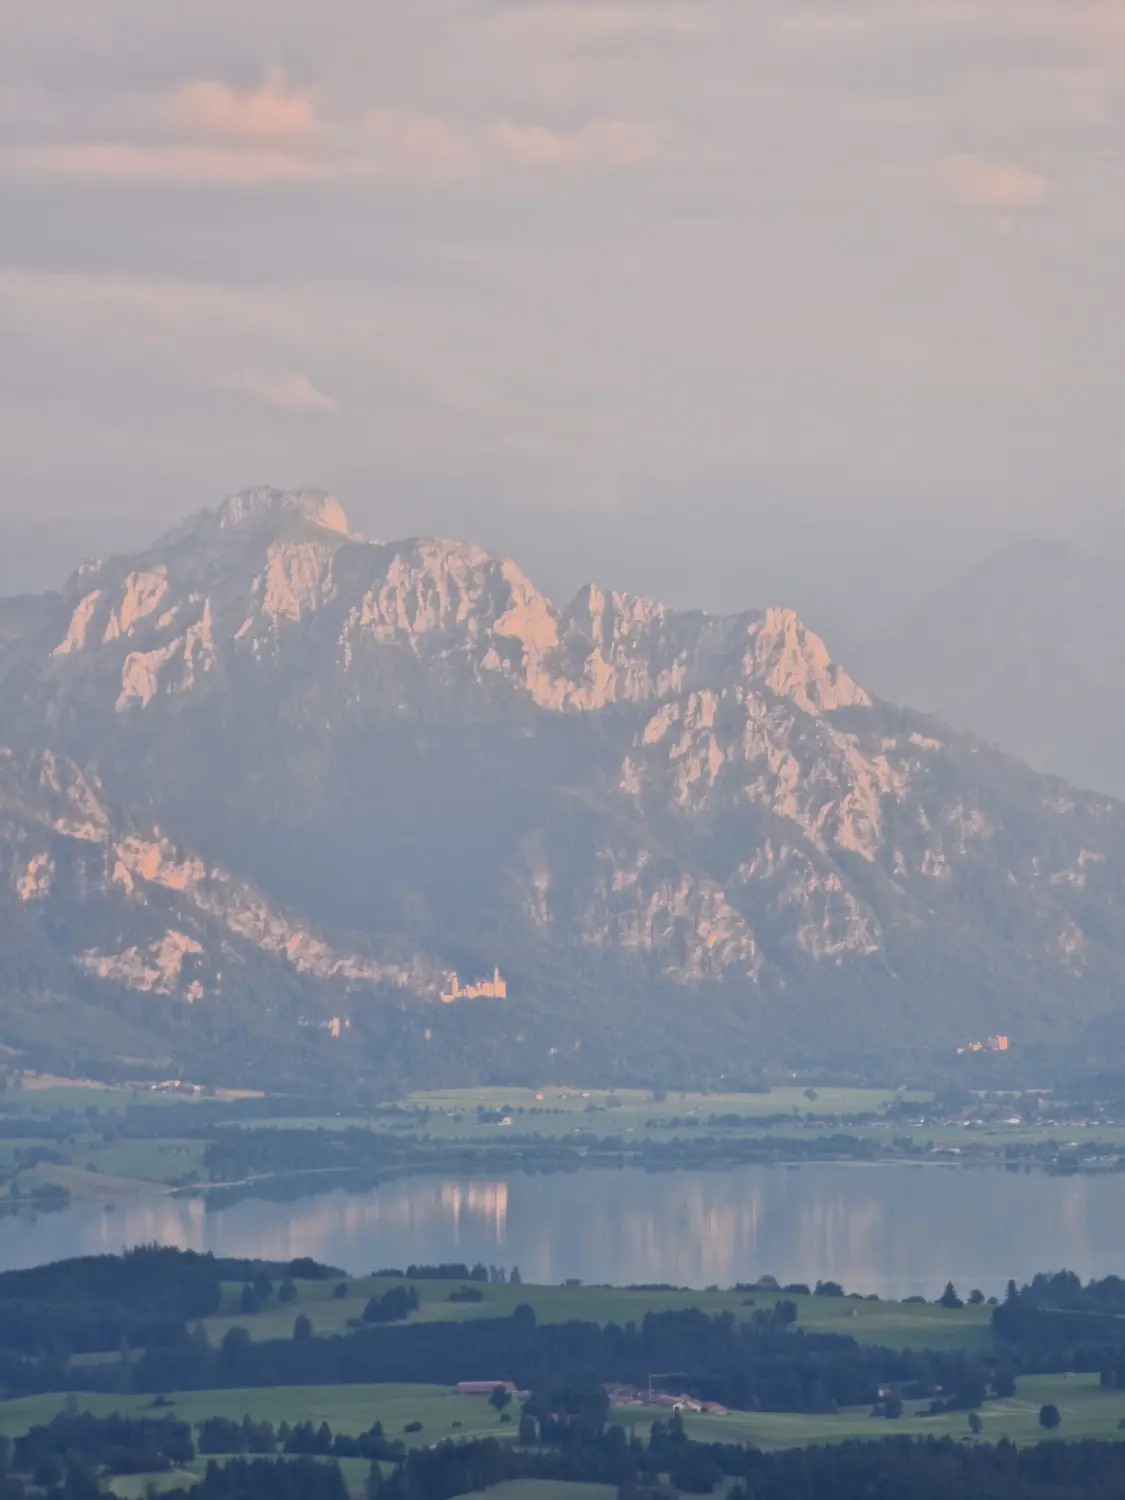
[(994, 1044), (484, 989)]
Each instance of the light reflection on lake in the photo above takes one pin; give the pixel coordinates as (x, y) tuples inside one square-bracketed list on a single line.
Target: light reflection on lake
[(892, 1229)]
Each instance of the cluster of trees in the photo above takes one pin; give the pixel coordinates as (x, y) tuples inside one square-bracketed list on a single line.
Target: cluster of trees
[(266, 1479), (96, 1302), (766, 1363), (394, 1306), (257, 1292), (144, 1299), (304, 1439), (224, 1435), (923, 1469), (117, 1445), (1065, 1290), (1056, 1323), (458, 1271)]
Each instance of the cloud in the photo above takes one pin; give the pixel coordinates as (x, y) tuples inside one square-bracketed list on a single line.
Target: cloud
[(419, 145), (287, 391), (271, 113), (205, 132), (385, 144), (1003, 186), (600, 143)]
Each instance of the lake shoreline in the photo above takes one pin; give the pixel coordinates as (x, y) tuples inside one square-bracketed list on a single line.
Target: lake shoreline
[(901, 1228)]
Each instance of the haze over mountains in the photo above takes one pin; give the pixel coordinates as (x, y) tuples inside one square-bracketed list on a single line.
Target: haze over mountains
[(270, 785), (1026, 649)]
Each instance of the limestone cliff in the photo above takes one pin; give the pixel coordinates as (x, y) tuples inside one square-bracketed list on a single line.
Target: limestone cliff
[(191, 926), (429, 767)]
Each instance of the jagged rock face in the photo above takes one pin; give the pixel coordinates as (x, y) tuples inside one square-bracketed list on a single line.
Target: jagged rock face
[(411, 750), (232, 586), (65, 852)]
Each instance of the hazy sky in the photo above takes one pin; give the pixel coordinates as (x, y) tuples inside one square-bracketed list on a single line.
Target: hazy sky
[(725, 298)]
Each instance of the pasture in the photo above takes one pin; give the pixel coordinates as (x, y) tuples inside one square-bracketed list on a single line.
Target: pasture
[(897, 1325)]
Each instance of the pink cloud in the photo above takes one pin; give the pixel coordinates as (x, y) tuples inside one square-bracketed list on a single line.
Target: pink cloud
[(271, 113), (1000, 185), (420, 145), (600, 143)]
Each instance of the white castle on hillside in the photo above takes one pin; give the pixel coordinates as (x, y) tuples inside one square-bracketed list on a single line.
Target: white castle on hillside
[(489, 989)]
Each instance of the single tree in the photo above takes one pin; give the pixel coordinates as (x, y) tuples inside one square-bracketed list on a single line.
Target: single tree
[(949, 1298), (235, 1343), (976, 1426), (302, 1328), (529, 1431), (785, 1313), (976, 1297), (287, 1292), (248, 1302), (499, 1398), (1049, 1416)]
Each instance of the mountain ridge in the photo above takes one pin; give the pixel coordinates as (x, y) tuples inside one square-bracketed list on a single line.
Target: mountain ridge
[(633, 812)]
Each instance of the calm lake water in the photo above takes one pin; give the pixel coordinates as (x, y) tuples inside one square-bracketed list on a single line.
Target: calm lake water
[(892, 1229)]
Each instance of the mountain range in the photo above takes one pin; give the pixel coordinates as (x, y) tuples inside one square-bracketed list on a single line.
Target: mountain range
[(269, 787), (1026, 649)]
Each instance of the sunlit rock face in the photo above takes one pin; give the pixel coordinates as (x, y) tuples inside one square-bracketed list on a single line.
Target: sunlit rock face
[(375, 763), (79, 867), (231, 583)]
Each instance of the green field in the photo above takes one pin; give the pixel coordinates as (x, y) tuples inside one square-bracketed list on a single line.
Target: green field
[(1087, 1412), (346, 1408), (355, 1471), (896, 1325), (558, 1112), (45, 1094), (429, 1123)]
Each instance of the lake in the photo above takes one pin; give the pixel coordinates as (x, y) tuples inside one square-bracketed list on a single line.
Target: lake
[(893, 1229)]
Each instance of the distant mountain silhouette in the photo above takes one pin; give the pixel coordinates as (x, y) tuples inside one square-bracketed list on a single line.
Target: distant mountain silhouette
[(1027, 650)]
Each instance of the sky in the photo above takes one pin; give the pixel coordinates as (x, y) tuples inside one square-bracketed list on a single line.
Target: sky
[(801, 301)]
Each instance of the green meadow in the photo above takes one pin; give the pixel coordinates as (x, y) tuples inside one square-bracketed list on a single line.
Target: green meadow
[(897, 1325)]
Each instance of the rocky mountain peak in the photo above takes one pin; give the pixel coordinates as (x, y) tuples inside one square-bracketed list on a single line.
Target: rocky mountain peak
[(262, 507), (396, 759), (229, 585)]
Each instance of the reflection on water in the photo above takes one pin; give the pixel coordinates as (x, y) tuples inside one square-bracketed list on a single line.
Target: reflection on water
[(893, 1229)]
